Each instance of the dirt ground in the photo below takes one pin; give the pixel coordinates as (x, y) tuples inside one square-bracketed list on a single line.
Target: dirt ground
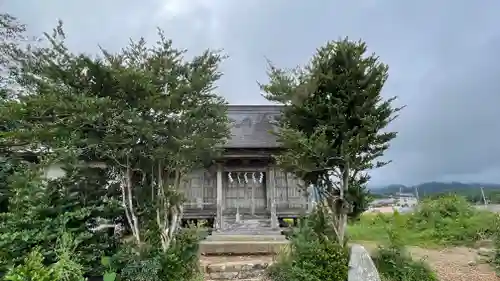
[(452, 264), (456, 264)]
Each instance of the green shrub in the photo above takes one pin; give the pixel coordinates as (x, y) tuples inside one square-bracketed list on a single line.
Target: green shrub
[(32, 269), (150, 263), (34, 266), (496, 243), (39, 212), (312, 257), (394, 263), (452, 220), (394, 266)]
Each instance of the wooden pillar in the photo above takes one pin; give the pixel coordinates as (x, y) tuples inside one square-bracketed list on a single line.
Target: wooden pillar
[(253, 199), (218, 219), (201, 198), (310, 198), (272, 193), (287, 189)]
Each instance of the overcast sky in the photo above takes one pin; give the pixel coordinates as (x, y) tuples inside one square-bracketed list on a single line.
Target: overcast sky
[(443, 57)]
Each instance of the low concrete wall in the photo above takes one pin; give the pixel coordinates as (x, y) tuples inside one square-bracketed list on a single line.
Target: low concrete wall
[(491, 207)]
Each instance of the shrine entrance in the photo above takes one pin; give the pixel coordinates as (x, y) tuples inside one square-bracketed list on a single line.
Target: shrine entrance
[(244, 192)]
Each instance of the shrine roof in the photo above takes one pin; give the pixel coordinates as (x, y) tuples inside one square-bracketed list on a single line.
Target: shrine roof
[(252, 126)]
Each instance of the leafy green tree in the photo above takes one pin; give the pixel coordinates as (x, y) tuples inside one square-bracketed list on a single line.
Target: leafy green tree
[(12, 35), (146, 113), (359, 197), (333, 122)]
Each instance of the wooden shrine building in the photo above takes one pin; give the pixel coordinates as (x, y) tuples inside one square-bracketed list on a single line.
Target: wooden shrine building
[(245, 184)]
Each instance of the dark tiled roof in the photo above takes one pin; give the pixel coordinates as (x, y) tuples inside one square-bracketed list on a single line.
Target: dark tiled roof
[(252, 126)]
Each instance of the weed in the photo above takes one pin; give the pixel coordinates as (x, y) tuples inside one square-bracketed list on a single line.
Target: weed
[(395, 263)]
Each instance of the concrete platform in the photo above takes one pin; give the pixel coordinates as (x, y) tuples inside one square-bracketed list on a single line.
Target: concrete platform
[(238, 247), (241, 237), (249, 232)]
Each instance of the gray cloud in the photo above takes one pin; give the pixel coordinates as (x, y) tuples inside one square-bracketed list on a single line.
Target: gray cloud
[(443, 58)]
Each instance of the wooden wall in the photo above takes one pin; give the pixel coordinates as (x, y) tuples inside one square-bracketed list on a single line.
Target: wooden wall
[(289, 194), (200, 190)]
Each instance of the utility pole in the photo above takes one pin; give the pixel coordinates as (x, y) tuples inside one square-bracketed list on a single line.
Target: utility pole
[(416, 193), (400, 203), (484, 197)]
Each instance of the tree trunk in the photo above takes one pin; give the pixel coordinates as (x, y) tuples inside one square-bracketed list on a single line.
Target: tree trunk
[(343, 210), (127, 202), (168, 213)]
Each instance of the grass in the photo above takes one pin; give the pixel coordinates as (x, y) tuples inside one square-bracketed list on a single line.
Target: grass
[(443, 222), (373, 228)]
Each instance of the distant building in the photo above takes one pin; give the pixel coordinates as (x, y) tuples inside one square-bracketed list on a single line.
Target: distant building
[(405, 200), (382, 202), (383, 210)]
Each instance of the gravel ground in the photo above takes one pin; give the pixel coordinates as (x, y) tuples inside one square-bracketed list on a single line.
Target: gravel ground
[(456, 264)]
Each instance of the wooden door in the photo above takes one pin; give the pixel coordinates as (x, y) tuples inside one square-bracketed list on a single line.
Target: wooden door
[(245, 192)]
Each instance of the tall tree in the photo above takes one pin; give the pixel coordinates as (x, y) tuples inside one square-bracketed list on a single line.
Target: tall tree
[(12, 39), (147, 113), (33, 211), (333, 122)]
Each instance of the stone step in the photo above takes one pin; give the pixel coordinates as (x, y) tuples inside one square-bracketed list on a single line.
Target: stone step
[(237, 227), (233, 220), (242, 237), (236, 266), (208, 247), (254, 231), (248, 221), (240, 270), (248, 279)]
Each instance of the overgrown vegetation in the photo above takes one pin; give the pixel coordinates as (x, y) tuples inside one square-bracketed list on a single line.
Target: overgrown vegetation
[(311, 248), (127, 128), (150, 263), (394, 263), (314, 254), (34, 266), (39, 212), (448, 220)]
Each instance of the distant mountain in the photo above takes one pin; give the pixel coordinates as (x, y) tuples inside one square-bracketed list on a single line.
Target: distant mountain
[(470, 190)]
